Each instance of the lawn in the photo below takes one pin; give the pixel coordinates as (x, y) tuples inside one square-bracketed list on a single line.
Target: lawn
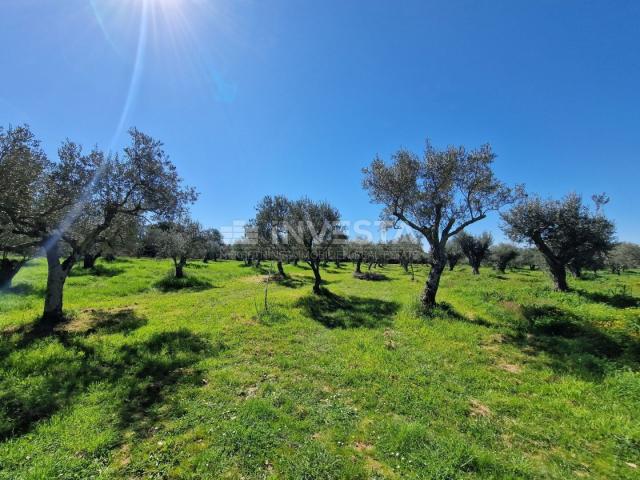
[(153, 379)]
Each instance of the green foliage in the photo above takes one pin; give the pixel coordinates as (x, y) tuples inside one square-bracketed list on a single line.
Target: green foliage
[(505, 378), (566, 232)]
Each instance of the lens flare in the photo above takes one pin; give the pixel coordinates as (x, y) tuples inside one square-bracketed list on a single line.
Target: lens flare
[(164, 27)]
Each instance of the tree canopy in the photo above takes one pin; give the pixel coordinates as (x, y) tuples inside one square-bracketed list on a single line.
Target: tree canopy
[(438, 195), (564, 231)]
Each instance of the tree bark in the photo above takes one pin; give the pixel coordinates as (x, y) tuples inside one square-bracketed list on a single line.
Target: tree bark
[(280, 268), (559, 274), (56, 276), (475, 270), (180, 267), (315, 266), (557, 268), (433, 282), (89, 260), (8, 270)]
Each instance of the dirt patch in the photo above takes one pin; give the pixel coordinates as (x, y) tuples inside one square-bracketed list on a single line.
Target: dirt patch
[(249, 392), (112, 320), (478, 409), (363, 447), (255, 278), (510, 367)]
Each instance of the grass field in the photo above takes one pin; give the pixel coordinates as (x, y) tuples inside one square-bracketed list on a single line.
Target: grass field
[(507, 380)]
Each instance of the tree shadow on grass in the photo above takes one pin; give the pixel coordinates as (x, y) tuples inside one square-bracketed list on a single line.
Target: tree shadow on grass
[(573, 344), (293, 282), (334, 311), (620, 299), (446, 310), (371, 276), (47, 375), (90, 321), (171, 283), (24, 289), (98, 270)]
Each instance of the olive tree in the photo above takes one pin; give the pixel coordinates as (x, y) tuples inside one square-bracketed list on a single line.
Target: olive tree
[(475, 248), (15, 251), (338, 249), (358, 250), (623, 256), (312, 229), (121, 237), (454, 254), (503, 255), (81, 196), (406, 249), (563, 231), (530, 257), (213, 244), (181, 240), (438, 195), (23, 167), (270, 225)]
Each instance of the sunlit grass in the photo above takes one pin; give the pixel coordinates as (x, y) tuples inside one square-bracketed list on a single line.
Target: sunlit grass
[(506, 379)]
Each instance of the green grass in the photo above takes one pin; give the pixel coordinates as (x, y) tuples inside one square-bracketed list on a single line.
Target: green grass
[(153, 379)]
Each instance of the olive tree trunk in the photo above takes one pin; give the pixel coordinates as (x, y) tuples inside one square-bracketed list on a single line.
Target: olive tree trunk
[(57, 273), (559, 275), (89, 260), (179, 264), (428, 298), (315, 267), (557, 268), (8, 269), (280, 268)]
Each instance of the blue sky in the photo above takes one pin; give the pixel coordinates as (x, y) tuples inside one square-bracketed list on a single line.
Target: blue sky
[(295, 97)]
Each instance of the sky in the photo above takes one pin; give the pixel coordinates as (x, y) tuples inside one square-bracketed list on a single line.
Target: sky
[(295, 97)]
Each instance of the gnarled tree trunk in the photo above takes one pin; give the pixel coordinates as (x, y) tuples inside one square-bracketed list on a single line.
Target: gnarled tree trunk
[(559, 275), (8, 269), (89, 260), (428, 298), (57, 273), (557, 268), (315, 267)]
